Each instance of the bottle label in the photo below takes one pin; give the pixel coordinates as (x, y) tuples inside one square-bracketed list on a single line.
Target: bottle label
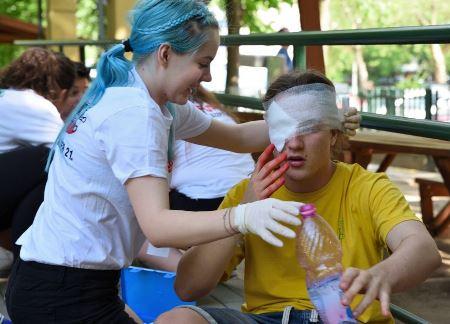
[(326, 297)]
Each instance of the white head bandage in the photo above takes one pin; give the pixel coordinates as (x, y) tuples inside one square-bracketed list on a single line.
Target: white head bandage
[(300, 110)]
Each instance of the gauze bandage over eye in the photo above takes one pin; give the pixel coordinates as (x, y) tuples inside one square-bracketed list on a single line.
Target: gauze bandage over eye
[(301, 110)]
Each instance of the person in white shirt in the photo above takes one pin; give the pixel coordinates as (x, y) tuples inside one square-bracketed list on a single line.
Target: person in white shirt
[(107, 186), (33, 88), (201, 175)]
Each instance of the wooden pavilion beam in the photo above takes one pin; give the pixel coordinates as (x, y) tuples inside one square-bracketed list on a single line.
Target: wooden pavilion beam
[(12, 29), (310, 20)]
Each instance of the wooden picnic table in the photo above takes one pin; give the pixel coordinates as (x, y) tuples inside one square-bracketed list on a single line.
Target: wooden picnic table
[(361, 147)]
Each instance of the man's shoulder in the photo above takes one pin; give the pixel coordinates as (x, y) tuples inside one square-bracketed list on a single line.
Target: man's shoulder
[(235, 195), (363, 182), (355, 172)]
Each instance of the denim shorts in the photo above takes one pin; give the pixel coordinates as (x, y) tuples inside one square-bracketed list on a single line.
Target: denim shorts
[(226, 316)]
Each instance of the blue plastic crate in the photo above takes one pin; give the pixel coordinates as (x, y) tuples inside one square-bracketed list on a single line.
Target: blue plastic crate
[(149, 292)]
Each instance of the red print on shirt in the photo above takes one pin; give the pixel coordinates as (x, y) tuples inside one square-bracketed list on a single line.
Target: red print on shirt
[(170, 166), (72, 127)]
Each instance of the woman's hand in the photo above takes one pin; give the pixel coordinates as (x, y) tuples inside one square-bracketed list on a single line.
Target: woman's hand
[(267, 177), (265, 217), (352, 121), (373, 284)]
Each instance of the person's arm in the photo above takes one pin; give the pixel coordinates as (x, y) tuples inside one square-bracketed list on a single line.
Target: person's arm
[(241, 138), (174, 228), (201, 268), (414, 256)]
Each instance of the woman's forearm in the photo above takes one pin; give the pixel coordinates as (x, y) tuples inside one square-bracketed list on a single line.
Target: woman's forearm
[(254, 136), (200, 227), (241, 138)]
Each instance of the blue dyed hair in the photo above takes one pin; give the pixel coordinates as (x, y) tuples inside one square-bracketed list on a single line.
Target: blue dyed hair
[(183, 24)]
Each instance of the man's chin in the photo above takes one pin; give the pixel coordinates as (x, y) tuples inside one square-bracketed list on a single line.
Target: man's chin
[(296, 175)]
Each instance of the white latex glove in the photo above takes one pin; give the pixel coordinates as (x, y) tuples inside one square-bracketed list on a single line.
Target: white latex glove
[(263, 217)]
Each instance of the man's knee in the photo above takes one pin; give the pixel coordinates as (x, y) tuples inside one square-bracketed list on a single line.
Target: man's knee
[(180, 315)]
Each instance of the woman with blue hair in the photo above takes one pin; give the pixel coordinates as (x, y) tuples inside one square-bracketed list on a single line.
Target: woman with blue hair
[(107, 183)]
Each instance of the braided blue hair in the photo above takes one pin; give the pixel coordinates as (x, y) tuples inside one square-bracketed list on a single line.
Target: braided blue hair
[(182, 24)]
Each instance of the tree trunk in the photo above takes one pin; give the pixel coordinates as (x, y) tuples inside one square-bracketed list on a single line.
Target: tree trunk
[(325, 22), (234, 18), (440, 70), (363, 74)]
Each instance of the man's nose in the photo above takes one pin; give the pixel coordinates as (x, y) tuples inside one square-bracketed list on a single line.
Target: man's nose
[(295, 142)]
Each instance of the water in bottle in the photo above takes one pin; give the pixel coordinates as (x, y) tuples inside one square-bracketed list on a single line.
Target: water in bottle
[(319, 253)]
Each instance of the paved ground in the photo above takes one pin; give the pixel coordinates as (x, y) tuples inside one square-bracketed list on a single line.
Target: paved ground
[(431, 300)]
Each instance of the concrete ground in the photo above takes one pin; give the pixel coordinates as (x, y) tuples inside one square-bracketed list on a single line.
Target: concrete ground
[(430, 300)]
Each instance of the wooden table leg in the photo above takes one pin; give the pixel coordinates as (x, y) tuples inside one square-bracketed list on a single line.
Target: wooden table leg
[(443, 165), (386, 162), (362, 157), (442, 220)]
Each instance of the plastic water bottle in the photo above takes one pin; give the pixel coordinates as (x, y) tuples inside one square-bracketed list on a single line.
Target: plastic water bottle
[(319, 253)]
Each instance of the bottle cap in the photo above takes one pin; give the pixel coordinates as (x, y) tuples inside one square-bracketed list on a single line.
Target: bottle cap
[(308, 210)]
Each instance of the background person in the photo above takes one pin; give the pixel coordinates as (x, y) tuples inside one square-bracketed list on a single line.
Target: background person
[(33, 89), (78, 89), (365, 209), (283, 52)]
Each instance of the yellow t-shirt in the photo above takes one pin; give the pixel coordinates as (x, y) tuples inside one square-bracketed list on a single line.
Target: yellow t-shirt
[(361, 206)]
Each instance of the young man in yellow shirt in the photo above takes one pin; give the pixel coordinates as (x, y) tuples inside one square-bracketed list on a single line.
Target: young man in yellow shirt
[(366, 210)]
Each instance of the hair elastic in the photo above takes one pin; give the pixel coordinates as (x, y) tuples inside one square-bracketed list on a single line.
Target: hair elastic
[(127, 46)]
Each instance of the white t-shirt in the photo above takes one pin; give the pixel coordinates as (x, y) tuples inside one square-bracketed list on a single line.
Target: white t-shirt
[(86, 219), (203, 172), (27, 119)]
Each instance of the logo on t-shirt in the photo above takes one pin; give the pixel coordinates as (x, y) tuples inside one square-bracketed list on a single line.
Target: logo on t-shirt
[(73, 126), (170, 166)]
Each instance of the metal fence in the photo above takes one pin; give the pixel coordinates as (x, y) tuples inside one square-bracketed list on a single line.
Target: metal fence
[(423, 103)]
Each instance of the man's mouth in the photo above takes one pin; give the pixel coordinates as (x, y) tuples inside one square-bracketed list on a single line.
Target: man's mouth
[(296, 161)]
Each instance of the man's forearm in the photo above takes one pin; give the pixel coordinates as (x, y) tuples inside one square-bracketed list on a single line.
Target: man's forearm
[(411, 263), (201, 267)]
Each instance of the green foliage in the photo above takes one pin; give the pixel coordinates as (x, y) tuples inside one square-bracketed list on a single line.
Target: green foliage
[(414, 81), (250, 9), (339, 65), (385, 61), (26, 10), (87, 19)]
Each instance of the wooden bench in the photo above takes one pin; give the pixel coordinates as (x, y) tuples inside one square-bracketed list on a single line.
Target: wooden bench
[(428, 189)]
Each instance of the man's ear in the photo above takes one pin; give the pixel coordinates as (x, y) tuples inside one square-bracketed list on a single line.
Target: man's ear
[(163, 54), (60, 99), (64, 94)]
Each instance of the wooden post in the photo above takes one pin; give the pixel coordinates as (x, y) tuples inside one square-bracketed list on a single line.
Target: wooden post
[(310, 20), (62, 23), (117, 18)]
